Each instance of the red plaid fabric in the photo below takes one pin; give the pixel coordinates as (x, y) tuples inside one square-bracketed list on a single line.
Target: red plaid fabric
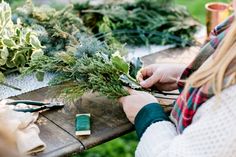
[(182, 114)]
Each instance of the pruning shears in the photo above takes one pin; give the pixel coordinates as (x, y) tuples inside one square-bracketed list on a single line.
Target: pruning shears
[(41, 105)]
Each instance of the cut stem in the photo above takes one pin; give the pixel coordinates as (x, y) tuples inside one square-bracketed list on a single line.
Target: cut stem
[(10, 86)]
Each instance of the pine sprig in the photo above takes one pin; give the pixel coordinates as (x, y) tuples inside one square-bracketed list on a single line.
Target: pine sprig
[(57, 28), (102, 76)]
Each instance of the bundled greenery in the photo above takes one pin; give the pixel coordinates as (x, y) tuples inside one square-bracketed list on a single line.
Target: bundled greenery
[(18, 44), (97, 70), (144, 22), (56, 29), (89, 69)]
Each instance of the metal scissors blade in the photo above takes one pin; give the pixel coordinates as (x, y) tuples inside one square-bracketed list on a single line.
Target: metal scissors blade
[(49, 105)]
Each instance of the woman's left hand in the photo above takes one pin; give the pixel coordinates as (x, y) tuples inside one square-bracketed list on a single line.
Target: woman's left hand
[(133, 103)]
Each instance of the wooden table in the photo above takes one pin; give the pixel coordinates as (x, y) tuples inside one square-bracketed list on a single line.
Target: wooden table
[(107, 118)]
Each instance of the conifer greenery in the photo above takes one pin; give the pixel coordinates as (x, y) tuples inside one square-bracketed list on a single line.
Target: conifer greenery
[(82, 61), (158, 22)]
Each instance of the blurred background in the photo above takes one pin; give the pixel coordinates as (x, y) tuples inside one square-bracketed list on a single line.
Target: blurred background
[(196, 7), (123, 146)]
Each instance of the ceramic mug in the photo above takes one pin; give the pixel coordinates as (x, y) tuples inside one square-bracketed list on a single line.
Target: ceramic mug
[(216, 13)]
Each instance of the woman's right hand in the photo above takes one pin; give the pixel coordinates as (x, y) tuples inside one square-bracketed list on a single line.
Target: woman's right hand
[(163, 76)]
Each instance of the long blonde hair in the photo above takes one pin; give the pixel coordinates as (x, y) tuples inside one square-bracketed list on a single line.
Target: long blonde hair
[(223, 63)]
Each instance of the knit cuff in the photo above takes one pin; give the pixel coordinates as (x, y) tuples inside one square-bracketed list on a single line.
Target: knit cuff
[(149, 114)]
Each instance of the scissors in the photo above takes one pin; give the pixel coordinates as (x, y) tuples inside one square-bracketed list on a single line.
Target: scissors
[(41, 105)]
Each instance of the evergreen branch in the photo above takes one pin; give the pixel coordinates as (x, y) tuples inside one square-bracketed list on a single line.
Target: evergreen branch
[(154, 21)]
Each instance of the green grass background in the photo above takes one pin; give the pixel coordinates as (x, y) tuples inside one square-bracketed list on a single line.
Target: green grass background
[(125, 146), (197, 7)]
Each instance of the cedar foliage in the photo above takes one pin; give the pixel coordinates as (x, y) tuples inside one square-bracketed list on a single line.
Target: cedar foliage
[(158, 22)]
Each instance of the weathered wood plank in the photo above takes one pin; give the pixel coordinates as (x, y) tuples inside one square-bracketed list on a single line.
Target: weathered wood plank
[(58, 141), (174, 55), (108, 120)]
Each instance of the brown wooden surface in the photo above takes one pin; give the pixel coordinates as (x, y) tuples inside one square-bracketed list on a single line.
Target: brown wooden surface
[(59, 142), (107, 118), (176, 55)]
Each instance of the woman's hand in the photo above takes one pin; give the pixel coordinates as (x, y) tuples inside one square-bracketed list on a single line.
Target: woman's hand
[(133, 103), (162, 76)]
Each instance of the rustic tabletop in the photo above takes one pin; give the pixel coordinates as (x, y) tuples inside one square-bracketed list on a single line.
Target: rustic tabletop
[(57, 128)]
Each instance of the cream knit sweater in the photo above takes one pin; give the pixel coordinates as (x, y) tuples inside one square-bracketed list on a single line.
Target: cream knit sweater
[(211, 134)]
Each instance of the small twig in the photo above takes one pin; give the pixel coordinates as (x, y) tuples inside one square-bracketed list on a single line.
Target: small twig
[(10, 71), (10, 86), (92, 11)]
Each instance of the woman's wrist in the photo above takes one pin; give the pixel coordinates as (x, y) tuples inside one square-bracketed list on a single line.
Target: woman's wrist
[(148, 115)]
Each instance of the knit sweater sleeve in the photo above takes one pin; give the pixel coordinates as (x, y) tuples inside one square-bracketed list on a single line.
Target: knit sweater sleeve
[(213, 133)]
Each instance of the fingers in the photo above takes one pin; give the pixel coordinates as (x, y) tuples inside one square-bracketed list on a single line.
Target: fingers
[(124, 99), (149, 82), (139, 76), (145, 72), (132, 92), (121, 100)]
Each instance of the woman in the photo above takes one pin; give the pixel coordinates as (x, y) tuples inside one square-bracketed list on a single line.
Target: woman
[(203, 120)]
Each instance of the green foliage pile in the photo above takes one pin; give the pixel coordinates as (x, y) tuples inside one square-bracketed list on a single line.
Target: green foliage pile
[(144, 22), (83, 63), (18, 44), (56, 29)]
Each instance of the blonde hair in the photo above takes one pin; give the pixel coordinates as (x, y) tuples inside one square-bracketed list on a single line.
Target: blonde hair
[(222, 64)]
